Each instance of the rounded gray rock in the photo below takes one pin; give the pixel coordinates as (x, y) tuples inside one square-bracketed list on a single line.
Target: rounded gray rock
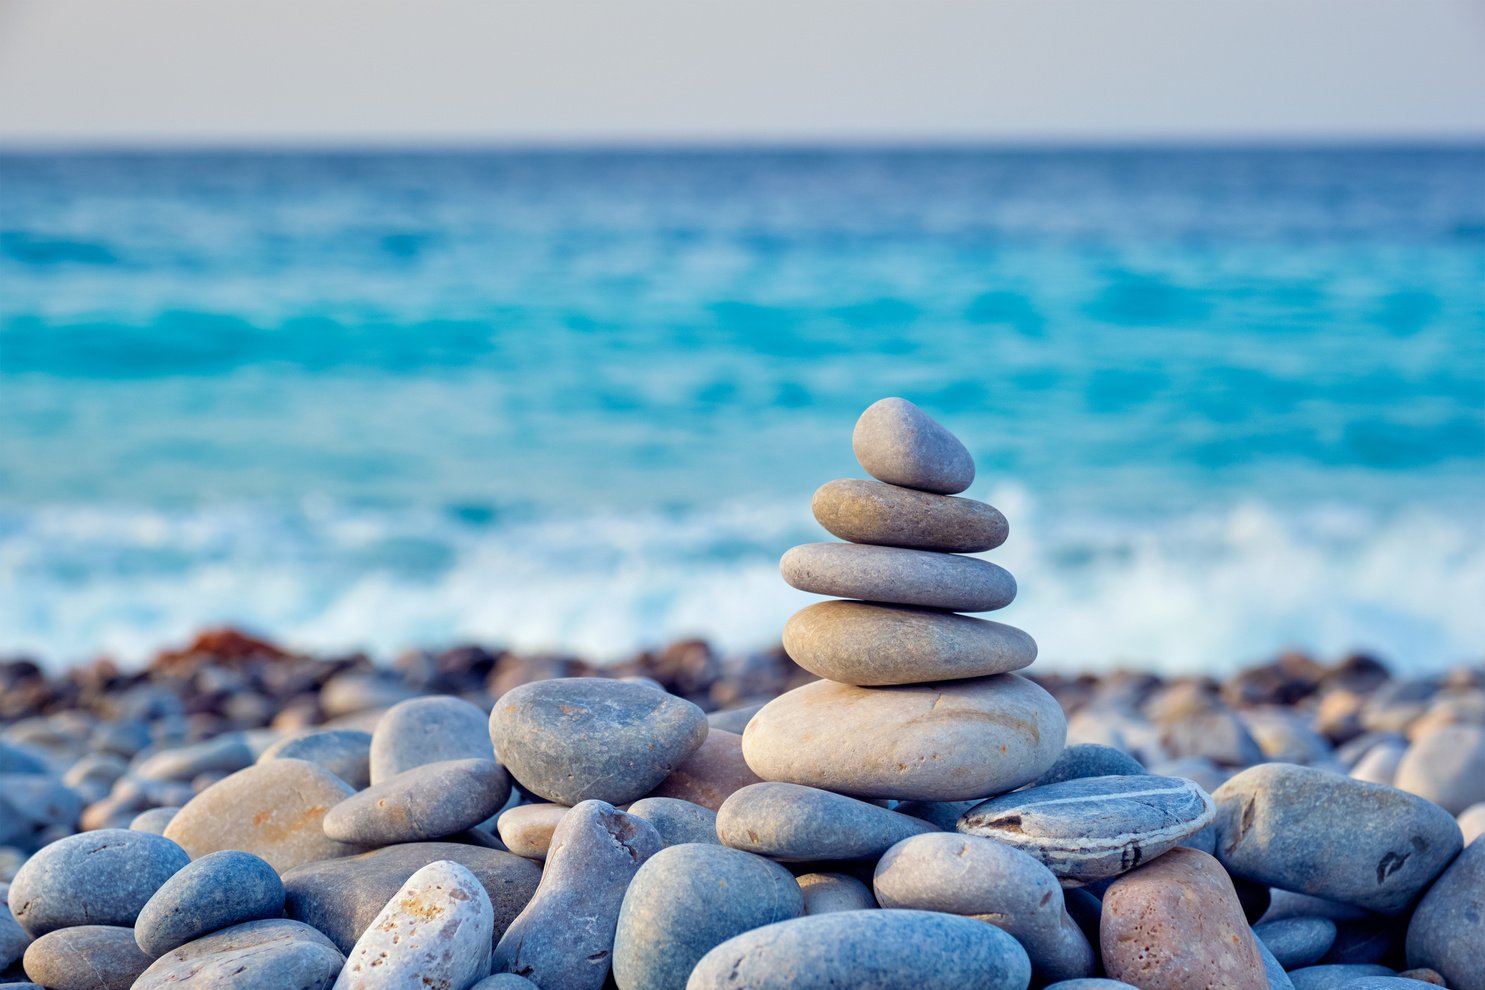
[(981, 878), (861, 511), (428, 730), (678, 822), (228, 753), (1334, 976), (92, 878), (1448, 927), (688, 899), (828, 892), (284, 955), (795, 823), (344, 752), (899, 577), (590, 738), (867, 950), (421, 804), (217, 891), (867, 644), (156, 820), (1447, 766), (1297, 942), (86, 957), (13, 938), (1091, 983), (504, 981), (898, 443), (1090, 760), (1090, 828)]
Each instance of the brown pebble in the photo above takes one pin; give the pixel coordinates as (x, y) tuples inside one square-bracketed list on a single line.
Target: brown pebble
[(710, 775)]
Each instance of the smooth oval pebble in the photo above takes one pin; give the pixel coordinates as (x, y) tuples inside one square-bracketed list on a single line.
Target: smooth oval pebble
[(428, 730), (980, 878), (949, 741), (899, 577), (1091, 983), (1383, 846), (344, 752), (527, 829), (795, 823), (92, 878), (156, 820), (576, 739), (1446, 766), (1090, 760), (677, 822), (219, 890), (688, 899), (434, 932), (284, 955), (1090, 828), (868, 950), (827, 892), (1447, 930), (418, 805), (1297, 942), (886, 515), (1334, 976), (504, 981), (899, 443), (711, 774), (86, 957), (870, 645)]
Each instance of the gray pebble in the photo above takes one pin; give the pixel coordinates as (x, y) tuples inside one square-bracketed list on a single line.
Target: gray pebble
[(229, 752), (1220, 736), (590, 738), (678, 822), (93, 878), (944, 814), (827, 892), (21, 759), (688, 899), (428, 730), (898, 443), (733, 719), (33, 806), (283, 955), (424, 803), (13, 938), (1333, 977), (93, 776), (219, 890), (795, 823), (1472, 822), (899, 577), (504, 981), (155, 821), (1297, 942), (1447, 930), (1089, 760), (1091, 983), (1379, 765), (86, 957), (344, 752), (887, 515), (1389, 983), (1447, 766), (1273, 971)]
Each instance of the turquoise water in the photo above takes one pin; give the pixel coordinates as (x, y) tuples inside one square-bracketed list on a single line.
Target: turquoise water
[(1231, 401)]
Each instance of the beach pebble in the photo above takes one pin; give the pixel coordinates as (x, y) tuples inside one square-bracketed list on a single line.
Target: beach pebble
[(1319, 833), (1285, 737), (901, 950), (1447, 931), (217, 891), (711, 774), (344, 752), (1219, 735), (341, 897), (92, 878), (1089, 760), (949, 741), (795, 823), (274, 810), (981, 878), (1379, 765), (435, 932), (944, 814), (677, 821), (86, 957), (13, 938), (565, 936), (1446, 766), (860, 511), (34, 807), (1091, 983), (1472, 822), (527, 829), (589, 738), (896, 442), (867, 644), (1297, 942), (1176, 923), (734, 719), (1334, 977), (1423, 975), (1398, 982), (229, 753), (1277, 978), (93, 776), (21, 760), (156, 820), (897, 576), (284, 955), (1090, 828), (424, 803), (428, 730), (504, 981), (688, 899), (827, 892)]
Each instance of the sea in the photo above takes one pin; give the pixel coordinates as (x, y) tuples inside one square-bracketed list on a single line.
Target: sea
[(1231, 400)]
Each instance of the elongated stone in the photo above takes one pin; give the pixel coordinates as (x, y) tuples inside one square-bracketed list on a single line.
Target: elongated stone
[(803, 824), (900, 444), (899, 577), (874, 645), (217, 891), (428, 730), (425, 803), (271, 953), (949, 741), (527, 829), (92, 878), (344, 752), (886, 515), (87, 957), (1090, 828), (678, 822), (1448, 927)]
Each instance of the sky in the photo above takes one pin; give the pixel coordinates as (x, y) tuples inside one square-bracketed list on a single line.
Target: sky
[(336, 72)]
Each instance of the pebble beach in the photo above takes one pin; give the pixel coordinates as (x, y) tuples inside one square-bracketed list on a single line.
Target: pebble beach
[(895, 797)]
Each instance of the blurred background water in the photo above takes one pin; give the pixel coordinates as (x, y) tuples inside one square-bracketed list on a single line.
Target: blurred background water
[(1231, 401)]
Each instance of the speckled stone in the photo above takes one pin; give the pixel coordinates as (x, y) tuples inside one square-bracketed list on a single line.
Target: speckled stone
[(435, 932), (1176, 923), (590, 738), (899, 577), (284, 955), (711, 774), (795, 823), (565, 936), (828, 892), (1448, 926), (1090, 828), (886, 515), (896, 442), (1297, 942), (92, 878), (1334, 977), (981, 878), (217, 891), (428, 730), (87, 957), (154, 821), (344, 752), (901, 950), (527, 829), (1089, 760), (1446, 766), (688, 899), (948, 741), (1316, 832), (871, 645), (424, 803), (678, 822), (341, 897)]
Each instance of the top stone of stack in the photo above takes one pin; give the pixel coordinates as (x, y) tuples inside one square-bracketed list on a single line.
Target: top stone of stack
[(900, 444)]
